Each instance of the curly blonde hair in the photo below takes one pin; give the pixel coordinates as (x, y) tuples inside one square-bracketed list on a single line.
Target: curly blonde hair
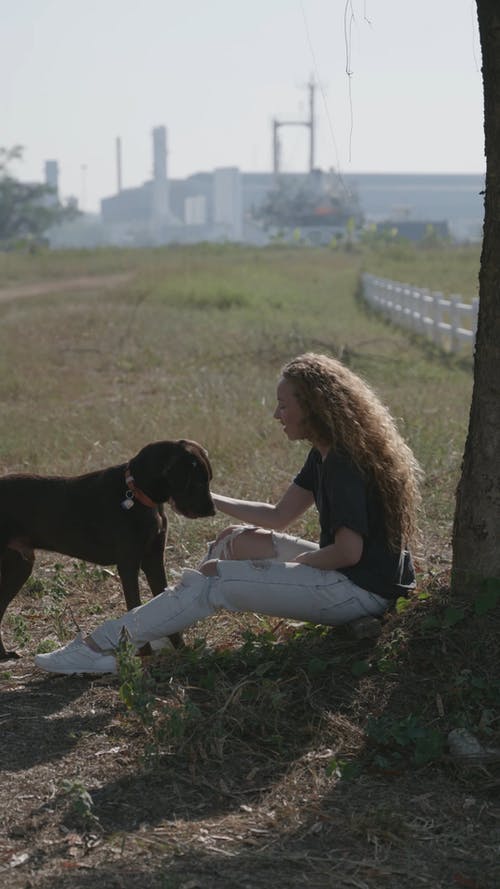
[(341, 410)]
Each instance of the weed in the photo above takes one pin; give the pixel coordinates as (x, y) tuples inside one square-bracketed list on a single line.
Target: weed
[(213, 701), (340, 768), (85, 572), (57, 612), (54, 591), (46, 645), (56, 586), (81, 804), (401, 741), (391, 650), (95, 608), (164, 725), (136, 687), (34, 587), (20, 629), (177, 721), (485, 602), (473, 700), (53, 587)]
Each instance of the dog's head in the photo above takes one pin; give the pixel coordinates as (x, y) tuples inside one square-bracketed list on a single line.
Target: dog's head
[(178, 471)]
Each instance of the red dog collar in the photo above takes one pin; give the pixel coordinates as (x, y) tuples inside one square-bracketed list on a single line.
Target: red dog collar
[(134, 493)]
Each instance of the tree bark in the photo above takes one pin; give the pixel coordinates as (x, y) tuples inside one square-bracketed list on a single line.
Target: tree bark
[(476, 531)]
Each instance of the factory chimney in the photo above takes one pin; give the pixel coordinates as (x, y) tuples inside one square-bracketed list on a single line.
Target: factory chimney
[(160, 186), (159, 153), (52, 178), (118, 165)]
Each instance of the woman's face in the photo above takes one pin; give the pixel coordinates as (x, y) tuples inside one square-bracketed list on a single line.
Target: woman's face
[(289, 412)]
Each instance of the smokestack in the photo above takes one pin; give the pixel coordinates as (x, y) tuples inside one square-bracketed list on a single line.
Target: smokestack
[(159, 154), (160, 209), (52, 177), (118, 164)]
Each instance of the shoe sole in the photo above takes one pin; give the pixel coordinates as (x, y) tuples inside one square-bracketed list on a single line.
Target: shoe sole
[(73, 672)]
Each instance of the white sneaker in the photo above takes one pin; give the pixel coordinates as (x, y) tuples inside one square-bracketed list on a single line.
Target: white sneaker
[(76, 657)]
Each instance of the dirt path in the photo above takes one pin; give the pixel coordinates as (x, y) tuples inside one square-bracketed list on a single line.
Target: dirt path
[(84, 282)]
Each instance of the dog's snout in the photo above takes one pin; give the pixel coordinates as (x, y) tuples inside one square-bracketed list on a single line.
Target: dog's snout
[(197, 511)]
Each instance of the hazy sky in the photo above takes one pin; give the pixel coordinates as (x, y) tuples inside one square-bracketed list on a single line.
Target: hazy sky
[(75, 74)]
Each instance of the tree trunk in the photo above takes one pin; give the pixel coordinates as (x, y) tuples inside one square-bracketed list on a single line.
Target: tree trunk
[(476, 532)]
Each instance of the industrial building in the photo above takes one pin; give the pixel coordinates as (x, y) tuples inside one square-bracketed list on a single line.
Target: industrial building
[(205, 206), (227, 204)]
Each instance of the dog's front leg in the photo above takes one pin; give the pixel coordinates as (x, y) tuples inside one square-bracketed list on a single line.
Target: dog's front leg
[(128, 569), (153, 557), (153, 565), (154, 569)]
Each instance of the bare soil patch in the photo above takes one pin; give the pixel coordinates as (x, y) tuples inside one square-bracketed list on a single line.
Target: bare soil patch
[(67, 285)]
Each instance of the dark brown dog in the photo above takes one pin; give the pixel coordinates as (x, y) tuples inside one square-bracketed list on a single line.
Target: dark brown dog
[(114, 516)]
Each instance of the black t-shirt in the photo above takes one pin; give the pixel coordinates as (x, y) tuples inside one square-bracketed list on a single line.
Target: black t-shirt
[(345, 498)]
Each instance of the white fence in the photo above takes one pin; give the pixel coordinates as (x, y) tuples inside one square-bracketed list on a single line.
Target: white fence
[(450, 323)]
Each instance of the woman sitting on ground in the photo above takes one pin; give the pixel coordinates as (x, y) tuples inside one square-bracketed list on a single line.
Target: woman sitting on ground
[(363, 479)]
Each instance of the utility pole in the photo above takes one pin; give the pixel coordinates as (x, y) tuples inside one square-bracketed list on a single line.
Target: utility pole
[(83, 169), (309, 123), (276, 148), (118, 165), (312, 87)]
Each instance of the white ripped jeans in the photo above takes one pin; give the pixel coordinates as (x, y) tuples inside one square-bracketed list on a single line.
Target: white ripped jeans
[(275, 587)]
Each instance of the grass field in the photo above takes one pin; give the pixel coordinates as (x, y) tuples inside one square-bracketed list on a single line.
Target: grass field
[(278, 753)]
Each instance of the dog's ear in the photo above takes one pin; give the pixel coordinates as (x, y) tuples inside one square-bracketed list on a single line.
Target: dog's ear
[(172, 458), (194, 446), (198, 451), (155, 459), (179, 450)]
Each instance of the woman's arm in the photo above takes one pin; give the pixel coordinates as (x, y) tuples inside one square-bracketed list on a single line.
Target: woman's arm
[(278, 516), (345, 552)]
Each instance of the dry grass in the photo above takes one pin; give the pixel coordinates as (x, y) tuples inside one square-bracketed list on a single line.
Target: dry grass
[(249, 758)]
